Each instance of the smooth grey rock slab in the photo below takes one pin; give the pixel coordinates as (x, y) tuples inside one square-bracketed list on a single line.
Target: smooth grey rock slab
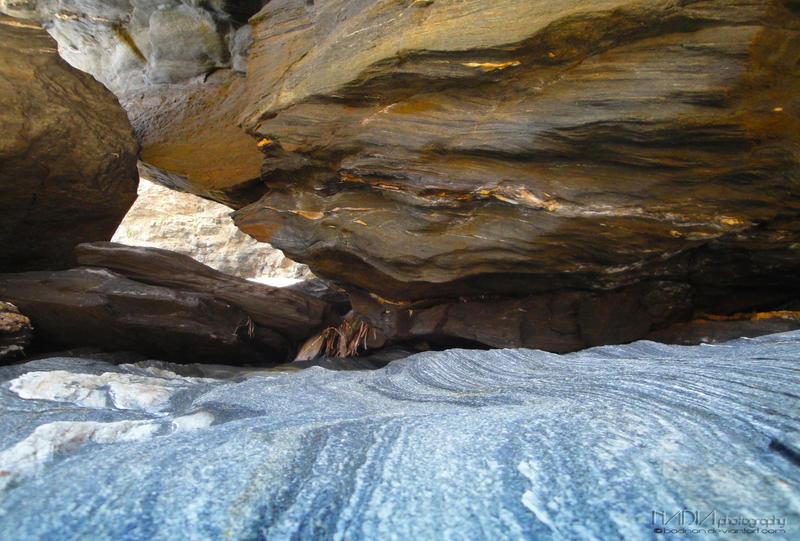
[(502, 444)]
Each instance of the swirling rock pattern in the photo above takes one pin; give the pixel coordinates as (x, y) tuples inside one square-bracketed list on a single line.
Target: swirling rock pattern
[(447, 160), (503, 444)]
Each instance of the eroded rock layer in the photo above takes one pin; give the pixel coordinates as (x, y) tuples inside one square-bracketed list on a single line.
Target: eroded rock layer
[(526, 173), (15, 332), (522, 155), (67, 154), (165, 305), (98, 308)]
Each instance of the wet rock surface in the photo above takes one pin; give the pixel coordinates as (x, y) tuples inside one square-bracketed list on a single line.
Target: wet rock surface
[(500, 444), (67, 154)]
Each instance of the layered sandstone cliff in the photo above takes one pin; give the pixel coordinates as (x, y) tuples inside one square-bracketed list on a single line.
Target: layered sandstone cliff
[(522, 173)]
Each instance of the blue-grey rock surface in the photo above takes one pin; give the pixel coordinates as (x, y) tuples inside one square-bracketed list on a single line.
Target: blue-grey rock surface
[(503, 444)]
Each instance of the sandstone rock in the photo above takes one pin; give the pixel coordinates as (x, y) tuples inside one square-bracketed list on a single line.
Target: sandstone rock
[(538, 142), (15, 332), (203, 230), (96, 307), (190, 139), (173, 65), (129, 45), (711, 329), (323, 290), (429, 153), (506, 156), (293, 314), (67, 154), (185, 42)]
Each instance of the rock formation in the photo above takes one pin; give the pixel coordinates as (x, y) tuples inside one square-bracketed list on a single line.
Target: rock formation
[(15, 332), (173, 64), (292, 313), (523, 173), (717, 329), (504, 444), (549, 174), (95, 307), (203, 230), (67, 154), (165, 305)]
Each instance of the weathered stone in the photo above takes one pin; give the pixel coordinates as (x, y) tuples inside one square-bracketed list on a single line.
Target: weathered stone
[(424, 155), (96, 307), (323, 290), (604, 444), (433, 153), (202, 229), (185, 42), (560, 321), (170, 64), (15, 332), (716, 329), (293, 314), (558, 151), (129, 45), (67, 154), (190, 140)]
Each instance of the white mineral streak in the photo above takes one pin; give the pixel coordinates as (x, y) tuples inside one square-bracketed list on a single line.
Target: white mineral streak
[(27, 456), (532, 498), (125, 391), (194, 421)]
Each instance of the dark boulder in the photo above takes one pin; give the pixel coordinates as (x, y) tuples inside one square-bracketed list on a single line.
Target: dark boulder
[(292, 313), (67, 154), (97, 307)]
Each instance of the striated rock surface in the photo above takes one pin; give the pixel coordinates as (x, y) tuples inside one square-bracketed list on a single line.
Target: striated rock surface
[(203, 230), (505, 444), (166, 305), (536, 161), (177, 68), (96, 307), (15, 332), (67, 154), (293, 313), (716, 329), (523, 173)]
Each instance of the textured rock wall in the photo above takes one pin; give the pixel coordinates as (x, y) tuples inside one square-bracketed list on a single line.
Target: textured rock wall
[(176, 66), (565, 138), (530, 173), (154, 54), (202, 229), (67, 154), (524, 173)]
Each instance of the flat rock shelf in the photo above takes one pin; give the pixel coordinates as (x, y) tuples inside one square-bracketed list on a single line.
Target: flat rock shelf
[(606, 443)]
